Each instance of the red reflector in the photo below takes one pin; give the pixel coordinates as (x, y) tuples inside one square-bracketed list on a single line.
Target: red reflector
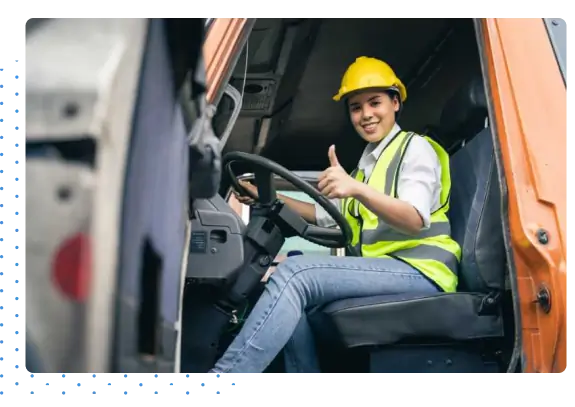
[(71, 267)]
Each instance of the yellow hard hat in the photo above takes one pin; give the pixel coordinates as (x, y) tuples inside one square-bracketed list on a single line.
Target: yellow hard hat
[(366, 73)]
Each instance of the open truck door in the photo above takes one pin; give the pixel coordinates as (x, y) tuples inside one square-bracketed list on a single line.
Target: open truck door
[(82, 85), (119, 141), (525, 65)]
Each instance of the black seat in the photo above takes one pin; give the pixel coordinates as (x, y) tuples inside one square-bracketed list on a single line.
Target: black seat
[(472, 312)]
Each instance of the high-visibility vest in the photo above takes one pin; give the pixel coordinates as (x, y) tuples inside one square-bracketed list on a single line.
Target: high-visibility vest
[(432, 251)]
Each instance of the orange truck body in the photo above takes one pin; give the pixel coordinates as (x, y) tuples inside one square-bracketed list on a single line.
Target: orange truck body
[(525, 76)]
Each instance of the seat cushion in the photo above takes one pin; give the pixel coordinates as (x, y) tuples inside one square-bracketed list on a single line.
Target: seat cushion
[(388, 319)]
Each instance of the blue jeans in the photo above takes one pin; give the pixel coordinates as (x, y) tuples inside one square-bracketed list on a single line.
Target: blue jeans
[(300, 283)]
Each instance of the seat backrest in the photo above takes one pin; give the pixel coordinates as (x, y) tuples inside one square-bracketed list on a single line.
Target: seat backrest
[(475, 206)]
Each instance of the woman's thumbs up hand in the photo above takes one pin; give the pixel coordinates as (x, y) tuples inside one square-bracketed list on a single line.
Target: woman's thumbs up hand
[(334, 182)]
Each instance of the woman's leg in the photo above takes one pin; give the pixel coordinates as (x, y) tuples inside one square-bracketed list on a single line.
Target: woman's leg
[(300, 351), (301, 282)]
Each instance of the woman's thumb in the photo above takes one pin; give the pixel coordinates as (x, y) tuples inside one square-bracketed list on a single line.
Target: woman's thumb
[(333, 161)]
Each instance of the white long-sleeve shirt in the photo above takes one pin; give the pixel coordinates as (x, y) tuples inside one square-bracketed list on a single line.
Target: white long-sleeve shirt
[(419, 178)]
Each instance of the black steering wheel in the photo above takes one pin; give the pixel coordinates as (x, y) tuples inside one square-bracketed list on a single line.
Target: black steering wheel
[(264, 170)]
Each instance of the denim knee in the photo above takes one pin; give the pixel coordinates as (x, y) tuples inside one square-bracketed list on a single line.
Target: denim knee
[(284, 271), (291, 266)]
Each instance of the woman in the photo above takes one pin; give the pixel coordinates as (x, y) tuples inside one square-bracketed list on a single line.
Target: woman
[(396, 202)]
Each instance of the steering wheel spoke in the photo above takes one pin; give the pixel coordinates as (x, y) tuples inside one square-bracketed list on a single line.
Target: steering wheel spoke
[(321, 235)]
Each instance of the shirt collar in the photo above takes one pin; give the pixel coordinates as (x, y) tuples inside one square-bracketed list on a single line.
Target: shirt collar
[(372, 151)]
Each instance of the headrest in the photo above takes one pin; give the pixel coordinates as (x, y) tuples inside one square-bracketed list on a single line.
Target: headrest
[(464, 115)]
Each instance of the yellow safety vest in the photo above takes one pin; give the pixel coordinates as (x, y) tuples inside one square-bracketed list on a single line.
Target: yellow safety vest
[(432, 251)]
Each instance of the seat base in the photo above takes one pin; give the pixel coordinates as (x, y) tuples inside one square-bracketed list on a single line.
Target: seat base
[(431, 358), (442, 332), (479, 357)]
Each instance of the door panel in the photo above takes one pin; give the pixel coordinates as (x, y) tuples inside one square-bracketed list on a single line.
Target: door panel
[(529, 107)]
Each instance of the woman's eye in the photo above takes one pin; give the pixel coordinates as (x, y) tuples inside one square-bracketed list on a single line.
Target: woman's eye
[(375, 103)]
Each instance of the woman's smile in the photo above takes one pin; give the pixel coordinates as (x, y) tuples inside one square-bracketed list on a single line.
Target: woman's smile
[(370, 128)]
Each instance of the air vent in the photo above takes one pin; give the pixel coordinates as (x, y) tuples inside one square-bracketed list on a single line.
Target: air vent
[(259, 95)]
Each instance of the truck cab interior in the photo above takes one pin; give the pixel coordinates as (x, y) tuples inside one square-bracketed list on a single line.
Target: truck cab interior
[(286, 74)]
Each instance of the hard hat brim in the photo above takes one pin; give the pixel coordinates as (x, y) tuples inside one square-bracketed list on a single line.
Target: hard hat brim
[(347, 95)]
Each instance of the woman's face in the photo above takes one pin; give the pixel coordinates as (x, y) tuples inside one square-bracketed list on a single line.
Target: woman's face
[(373, 114)]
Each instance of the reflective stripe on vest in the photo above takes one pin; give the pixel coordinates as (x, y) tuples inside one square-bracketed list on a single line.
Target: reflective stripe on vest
[(432, 251)]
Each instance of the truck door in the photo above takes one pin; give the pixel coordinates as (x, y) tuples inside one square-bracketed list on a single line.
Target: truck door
[(525, 64), (81, 85), (175, 159), (108, 176)]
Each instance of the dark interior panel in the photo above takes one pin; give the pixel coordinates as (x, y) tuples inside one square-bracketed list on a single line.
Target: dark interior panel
[(277, 51), (264, 47)]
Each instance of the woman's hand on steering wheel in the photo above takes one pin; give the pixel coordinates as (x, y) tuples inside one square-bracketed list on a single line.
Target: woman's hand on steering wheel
[(244, 198), (291, 221)]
